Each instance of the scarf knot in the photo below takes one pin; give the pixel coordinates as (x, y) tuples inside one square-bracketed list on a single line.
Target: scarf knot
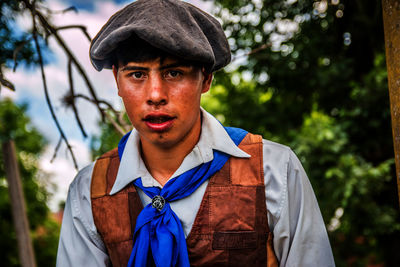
[(158, 202)]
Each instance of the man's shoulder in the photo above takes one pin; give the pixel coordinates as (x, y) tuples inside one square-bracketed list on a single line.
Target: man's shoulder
[(271, 147), (83, 179), (276, 155)]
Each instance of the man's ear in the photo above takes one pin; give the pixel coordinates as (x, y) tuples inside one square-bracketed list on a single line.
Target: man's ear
[(208, 77)]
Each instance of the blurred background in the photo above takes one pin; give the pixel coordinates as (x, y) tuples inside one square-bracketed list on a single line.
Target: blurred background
[(309, 74)]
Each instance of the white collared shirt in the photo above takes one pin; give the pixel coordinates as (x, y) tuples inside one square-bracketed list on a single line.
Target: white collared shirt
[(300, 237)]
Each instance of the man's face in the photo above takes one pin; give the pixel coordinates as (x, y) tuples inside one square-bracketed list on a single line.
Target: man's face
[(162, 99)]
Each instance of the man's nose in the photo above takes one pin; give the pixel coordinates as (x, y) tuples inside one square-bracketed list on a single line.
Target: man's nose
[(157, 94)]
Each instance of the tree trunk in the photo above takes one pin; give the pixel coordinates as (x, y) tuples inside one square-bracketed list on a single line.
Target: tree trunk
[(391, 23), (18, 207)]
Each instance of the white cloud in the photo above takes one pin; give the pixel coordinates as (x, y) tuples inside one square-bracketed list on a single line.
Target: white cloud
[(6, 93), (61, 171), (29, 83), (29, 88)]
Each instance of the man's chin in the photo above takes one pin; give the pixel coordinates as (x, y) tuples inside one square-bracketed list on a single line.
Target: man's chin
[(161, 140)]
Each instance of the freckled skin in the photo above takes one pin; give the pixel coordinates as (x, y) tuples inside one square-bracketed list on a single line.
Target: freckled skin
[(169, 88)]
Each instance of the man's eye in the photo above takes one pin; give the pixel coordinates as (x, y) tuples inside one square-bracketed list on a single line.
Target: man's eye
[(173, 74), (137, 75)]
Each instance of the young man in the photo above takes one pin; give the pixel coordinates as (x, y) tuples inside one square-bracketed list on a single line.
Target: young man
[(181, 189)]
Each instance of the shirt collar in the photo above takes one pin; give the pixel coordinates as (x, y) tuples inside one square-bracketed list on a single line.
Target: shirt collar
[(213, 136)]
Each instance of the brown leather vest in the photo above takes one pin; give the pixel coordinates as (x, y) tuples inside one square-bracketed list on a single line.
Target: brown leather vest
[(230, 228)]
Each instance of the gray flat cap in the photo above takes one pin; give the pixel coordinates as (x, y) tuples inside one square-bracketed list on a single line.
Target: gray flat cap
[(173, 26)]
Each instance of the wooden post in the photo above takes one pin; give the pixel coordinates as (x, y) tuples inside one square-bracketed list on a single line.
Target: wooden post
[(18, 207), (391, 24)]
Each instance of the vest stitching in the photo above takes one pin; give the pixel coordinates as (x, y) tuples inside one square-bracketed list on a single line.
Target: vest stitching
[(107, 182), (230, 172)]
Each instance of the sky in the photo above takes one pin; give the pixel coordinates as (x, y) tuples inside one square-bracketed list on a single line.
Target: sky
[(29, 89)]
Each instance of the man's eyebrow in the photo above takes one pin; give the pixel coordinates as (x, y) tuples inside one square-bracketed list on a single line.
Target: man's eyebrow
[(131, 67), (166, 66), (174, 65)]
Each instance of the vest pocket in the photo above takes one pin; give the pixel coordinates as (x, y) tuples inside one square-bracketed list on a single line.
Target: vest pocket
[(233, 208), (234, 240)]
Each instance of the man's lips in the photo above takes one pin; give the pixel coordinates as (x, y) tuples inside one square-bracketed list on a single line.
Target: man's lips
[(159, 122)]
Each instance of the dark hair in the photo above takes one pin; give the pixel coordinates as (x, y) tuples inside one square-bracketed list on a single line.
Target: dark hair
[(138, 50)]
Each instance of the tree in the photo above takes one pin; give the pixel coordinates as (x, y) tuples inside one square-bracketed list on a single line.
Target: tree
[(30, 143), (10, 42), (29, 47), (313, 76)]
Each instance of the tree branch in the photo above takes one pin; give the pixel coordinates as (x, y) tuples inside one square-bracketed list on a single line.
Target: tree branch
[(5, 82), (116, 125), (49, 104), (16, 51), (52, 30), (42, 27), (56, 149), (72, 100), (100, 101), (81, 27), (120, 126)]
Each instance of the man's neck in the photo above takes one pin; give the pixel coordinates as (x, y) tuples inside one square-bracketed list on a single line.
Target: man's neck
[(162, 162)]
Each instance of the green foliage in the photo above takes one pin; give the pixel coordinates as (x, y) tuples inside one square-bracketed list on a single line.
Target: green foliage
[(10, 38), (321, 89), (29, 144), (348, 188), (45, 242), (107, 140)]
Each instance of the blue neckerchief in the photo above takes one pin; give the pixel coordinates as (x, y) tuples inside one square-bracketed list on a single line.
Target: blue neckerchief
[(159, 232)]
